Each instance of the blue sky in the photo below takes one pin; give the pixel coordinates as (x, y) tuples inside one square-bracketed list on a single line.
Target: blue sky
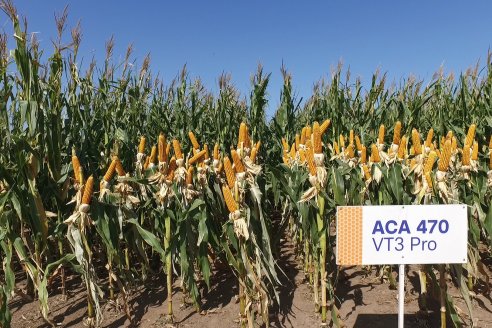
[(309, 37)]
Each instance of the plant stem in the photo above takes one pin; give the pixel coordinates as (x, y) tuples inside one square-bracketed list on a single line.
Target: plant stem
[(442, 286), (322, 260), (169, 271)]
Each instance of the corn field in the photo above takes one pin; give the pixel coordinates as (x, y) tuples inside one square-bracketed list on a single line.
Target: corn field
[(114, 176)]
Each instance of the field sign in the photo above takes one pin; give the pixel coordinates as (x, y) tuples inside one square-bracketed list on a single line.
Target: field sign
[(410, 234)]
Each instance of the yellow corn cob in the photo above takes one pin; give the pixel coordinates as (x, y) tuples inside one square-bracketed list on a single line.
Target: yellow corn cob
[(367, 174), (358, 144), (196, 157), (207, 155), (216, 151), (397, 133), (428, 140), (466, 155), (119, 168), (438, 152), (258, 145), (381, 134), (303, 136), (252, 156), (189, 175), (375, 158), (298, 141), (317, 139), (308, 132), (341, 139), (238, 164), (168, 150), (445, 156), (402, 148), (153, 154), (230, 175), (147, 162), (229, 199), (417, 146), (285, 145), (449, 135), (490, 160), (141, 145), (310, 160), (429, 163), (75, 166), (490, 143), (177, 149), (428, 178), (292, 153), (89, 185), (172, 167), (474, 155), (336, 148), (351, 137), (350, 151), (302, 155), (363, 155), (324, 126), (242, 135), (470, 136), (161, 144), (454, 144), (193, 140), (110, 172)]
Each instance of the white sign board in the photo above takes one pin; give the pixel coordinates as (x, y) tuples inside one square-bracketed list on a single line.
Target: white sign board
[(410, 234)]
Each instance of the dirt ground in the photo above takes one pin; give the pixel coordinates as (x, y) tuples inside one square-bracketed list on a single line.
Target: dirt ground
[(363, 301)]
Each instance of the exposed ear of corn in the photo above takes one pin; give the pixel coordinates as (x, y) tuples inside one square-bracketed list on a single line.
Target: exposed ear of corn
[(303, 136), (402, 148), (298, 141), (454, 144), (161, 144), (381, 134), (342, 141), (229, 199), (197, 157), (445, 157), (428, 178), (292, 153), (317, 139), (470, 136), (153, 155), (397, 133), (351, 137), (119, 167), (375, 158), (230, 174), (336, 148), (147, 162), (367, 173), (358, 144), (216, 151), (363, 155), (429, 163), (474, 155), (417, 146), (465, 160), (253, 154), (75, 166), (207, 154), (310, 161), (172, 168), (430, 136), (110, 172), (193, 140), (351, 151), (238, 164), (324, 126), (141, 145), (177, 149), (189, 176), (88, 187)]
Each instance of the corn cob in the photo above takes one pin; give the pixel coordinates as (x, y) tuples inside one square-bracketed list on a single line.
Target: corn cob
[(238, 164), (350, 151), (292, 153), (298, 141), (397, 133), (303, 136), (146, 163), (168, 150), (308, 132), (449, 136), (402, 148), (76, 166), (230, 174), (207, 154), (141, 145), (351, 137), (229, 199), (336, 148), (177, 149), (310, 160), (430, 136), (153, 154), (367, 174), (474, 155), (443, 140), (429, 163), (466, 155), (358, 144), (470, 136), (342, 141), (193, 140), (375, 158), (490, 143), (324, 126), (189, 176), (242, 135), (119, 168), (363, 155), (258, 145), (302, 155), (161, 144), (428, 178), (89, 185), (197, 157), (381, 134), (216, 151), (317, 139), (454, 144), (445, 157), (110, 172), (253, 154), (417, 147), (490, 159), (438, 152)]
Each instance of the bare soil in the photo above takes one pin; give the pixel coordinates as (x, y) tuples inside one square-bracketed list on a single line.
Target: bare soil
[(363, 299)]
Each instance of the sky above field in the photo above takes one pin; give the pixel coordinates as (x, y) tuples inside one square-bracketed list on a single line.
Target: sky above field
[(401, 38)]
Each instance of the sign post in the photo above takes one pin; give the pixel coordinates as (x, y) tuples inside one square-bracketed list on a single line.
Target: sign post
[(401, 234)]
